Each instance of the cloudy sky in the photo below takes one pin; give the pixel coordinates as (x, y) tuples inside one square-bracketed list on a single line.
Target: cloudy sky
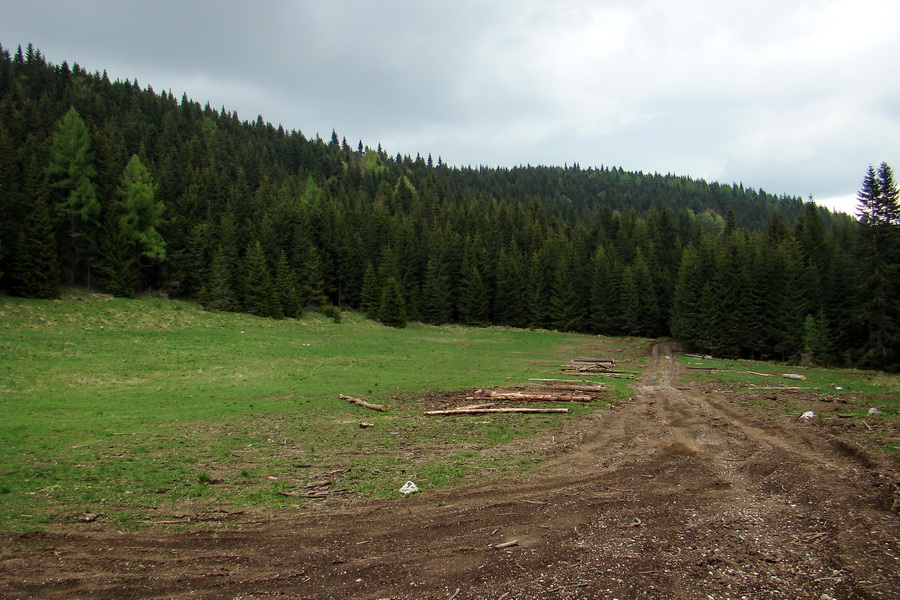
[(797, 97)]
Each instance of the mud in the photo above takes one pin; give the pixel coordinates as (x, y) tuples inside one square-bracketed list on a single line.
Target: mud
[(678, 493)]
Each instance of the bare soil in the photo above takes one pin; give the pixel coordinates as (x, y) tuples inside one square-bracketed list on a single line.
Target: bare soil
[(678, 493)]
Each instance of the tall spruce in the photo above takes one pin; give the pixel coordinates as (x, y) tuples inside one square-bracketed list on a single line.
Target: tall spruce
[(72, 173), (879, 251)]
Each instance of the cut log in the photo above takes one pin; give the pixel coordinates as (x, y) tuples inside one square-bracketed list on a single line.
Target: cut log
[(483, 411), (576, 387), (760, 374), (608, 361), (531, 397), (794, 376), (363, 403), (476, 406)]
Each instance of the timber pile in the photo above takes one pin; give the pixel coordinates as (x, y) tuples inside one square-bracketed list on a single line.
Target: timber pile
[(589, 367), (487, 401), (559, 396)]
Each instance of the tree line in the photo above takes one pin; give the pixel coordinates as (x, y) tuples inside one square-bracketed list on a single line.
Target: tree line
[(115, 187)]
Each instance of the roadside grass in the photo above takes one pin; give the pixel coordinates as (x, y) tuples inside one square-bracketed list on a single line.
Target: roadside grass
[(137, 409), (851, 393)]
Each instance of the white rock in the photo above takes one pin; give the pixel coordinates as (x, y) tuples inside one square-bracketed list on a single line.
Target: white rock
[(409, 488)]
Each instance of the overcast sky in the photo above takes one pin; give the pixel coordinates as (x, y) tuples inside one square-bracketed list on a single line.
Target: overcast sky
[(796, 97)]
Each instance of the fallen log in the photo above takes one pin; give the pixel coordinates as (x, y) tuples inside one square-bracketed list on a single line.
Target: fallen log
[(482, 411), (538, 397), (794, 376), (594, 361), (760, 374), (476, 406), (363, 403), (575, 387)]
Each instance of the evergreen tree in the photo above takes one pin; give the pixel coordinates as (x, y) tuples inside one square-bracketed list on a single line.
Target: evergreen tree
[(287, 298), (539, 280), (142, 211), (391, 309), (115, 261), (605, 282), (217, 292), (437, 303), (259, 291), (72, 171), (509, 308), (370, 297), (474, 304), (567, 310), (36, 273), (685, 321), (879, 251)]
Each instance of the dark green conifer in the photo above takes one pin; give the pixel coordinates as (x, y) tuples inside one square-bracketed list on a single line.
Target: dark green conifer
[(391, 309)]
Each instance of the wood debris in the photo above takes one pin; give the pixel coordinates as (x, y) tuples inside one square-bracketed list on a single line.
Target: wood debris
[(482, 411), (363, 403)]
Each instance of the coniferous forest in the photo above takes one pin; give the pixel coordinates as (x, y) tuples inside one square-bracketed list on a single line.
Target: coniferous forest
[(117, 188)]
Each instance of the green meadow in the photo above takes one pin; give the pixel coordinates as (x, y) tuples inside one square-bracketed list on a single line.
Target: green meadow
[(133, 410), (849, 393)]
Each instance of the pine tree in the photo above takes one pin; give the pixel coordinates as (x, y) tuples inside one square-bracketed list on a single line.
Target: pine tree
[(287, 298), (36, 270), (474, 304), (217, 292), (259, 292), (879, 251), (370, 296), (509, 308), (72, 171), (567, 311), (437, 304), (391, 309), (115, 261), (538, 282), (605, 282), (685, 320), (142, 212)]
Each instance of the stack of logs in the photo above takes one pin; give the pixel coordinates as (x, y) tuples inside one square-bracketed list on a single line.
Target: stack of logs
[(485, 401), (589, 367)]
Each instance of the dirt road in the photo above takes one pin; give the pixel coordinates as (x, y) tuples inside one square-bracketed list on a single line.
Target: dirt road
[(675, 494)]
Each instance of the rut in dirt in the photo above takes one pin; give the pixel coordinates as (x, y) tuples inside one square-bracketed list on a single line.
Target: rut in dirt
[(676, 493)]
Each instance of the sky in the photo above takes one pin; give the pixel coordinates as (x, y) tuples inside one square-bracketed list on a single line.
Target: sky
[(795, 97)]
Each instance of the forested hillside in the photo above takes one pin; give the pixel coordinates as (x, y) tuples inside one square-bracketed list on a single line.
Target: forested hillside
[(116, 187)]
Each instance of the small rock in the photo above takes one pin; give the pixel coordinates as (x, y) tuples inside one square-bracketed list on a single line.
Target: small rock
[(409, 488), (874, 411), (808, 415)]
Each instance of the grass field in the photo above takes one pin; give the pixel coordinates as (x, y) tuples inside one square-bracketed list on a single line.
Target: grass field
[(130, 409), (846, 395)]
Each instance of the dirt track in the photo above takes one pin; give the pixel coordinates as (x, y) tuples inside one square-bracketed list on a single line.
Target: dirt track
[(677, 493)]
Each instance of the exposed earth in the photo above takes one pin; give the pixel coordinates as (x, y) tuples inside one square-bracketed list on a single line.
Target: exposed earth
[(677, 493)]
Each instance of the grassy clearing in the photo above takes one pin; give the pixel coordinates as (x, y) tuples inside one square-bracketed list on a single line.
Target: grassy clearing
[(135, 409), (840, 397)]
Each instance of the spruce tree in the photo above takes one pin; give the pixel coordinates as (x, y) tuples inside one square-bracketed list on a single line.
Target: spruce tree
[(71, 172), (879, 251), (217, 292), (259, 292), (391, 309), (36, 270), (370, 296), (287, 298), (605, 283), (509, 305), (115, 260), (437, 305), (142, 212)]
